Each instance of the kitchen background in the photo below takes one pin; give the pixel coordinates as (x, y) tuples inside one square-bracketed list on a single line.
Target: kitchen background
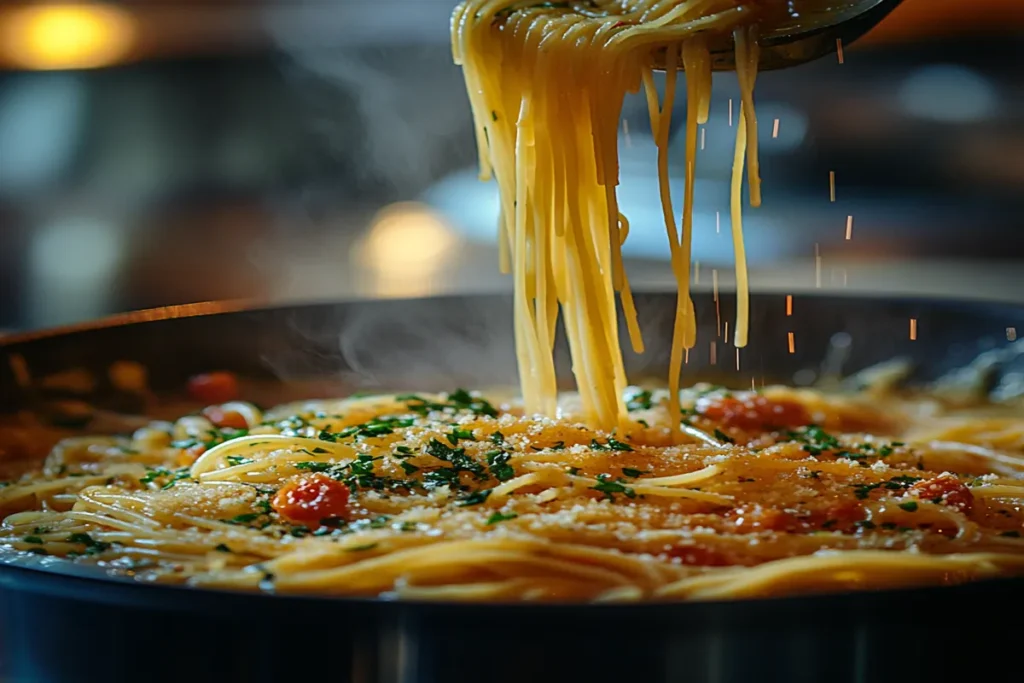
[(156, 153)]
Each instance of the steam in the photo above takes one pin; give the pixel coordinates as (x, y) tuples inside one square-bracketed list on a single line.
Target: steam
[(435, 344)]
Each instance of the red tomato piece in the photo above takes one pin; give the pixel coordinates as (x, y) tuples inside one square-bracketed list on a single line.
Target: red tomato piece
[(753, 413), (311, 499), (225, 418), (188, 457), (840, 516), (214, 387), (947, 489)]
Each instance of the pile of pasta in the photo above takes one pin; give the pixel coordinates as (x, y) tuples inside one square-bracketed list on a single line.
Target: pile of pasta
[(454, 496)]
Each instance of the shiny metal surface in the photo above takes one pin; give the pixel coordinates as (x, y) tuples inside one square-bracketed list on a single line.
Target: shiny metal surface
[(789, 45)]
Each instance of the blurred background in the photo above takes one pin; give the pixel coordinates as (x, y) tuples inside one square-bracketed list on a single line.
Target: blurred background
[(161, 152)]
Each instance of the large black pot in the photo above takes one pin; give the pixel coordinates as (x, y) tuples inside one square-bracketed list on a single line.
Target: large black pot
[(64, 623)]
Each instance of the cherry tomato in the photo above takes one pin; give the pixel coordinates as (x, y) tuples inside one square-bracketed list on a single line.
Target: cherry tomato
[(753, 413), (214, 387), (311, 499)]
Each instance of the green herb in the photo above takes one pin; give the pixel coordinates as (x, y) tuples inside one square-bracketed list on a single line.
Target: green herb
[(611, 445), (445, 476), (814, 474), (403, 451), (458, 400), (361, 548), (865, 524), (498, 517), (862, 491), (457, 457), (41, 530), (246, 518), (409, 468), (609, 488), (315, 466), (723, 437), (92, 547), (746, 480), (885, 451), (456, 434), (33, 539), (901, 481), (815, 439), (829, 523), (497, 438), (558, 446), (639, 401), (909, 506), (153, 475), (888, 526), (630, 472), (238, 460), (573, 470), (475, 498), (320, 451), (229, 433), (494, 115), (1005, 534), (221, 548), (497, 464), (407, 526)]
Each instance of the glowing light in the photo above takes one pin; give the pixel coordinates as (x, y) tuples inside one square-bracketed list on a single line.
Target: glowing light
[(84, 36), (913, 329), (789, 305), (1011, 334), (949, 93), (849, 227), (792, 342), (405, 248)]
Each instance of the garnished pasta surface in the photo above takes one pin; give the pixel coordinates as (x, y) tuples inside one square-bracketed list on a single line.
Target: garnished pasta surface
[(454, 496)]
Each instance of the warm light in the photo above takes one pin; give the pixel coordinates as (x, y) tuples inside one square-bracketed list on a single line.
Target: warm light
[(66, 36), (406, 247)]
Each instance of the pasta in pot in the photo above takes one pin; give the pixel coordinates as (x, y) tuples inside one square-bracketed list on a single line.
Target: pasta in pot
[(454, 497)]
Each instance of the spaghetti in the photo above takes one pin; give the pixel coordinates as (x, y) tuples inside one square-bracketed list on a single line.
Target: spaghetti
[(546, 82), (452, 496)]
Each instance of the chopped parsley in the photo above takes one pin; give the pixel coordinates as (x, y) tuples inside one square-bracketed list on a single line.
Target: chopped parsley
[(457, 457), (245, 518), (316, 466), (497, 465), (92, 546), (33, 539), (1005, 534), (172, 477), (639, 401), (499, 517), (458, 401), (609, 488), (221, 548), (476, 498), (234, 460), (815, 440), (610, 445), (497, 438), (630, 472), (456, 434), (909, 506), (361, 548), (409, 468)]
